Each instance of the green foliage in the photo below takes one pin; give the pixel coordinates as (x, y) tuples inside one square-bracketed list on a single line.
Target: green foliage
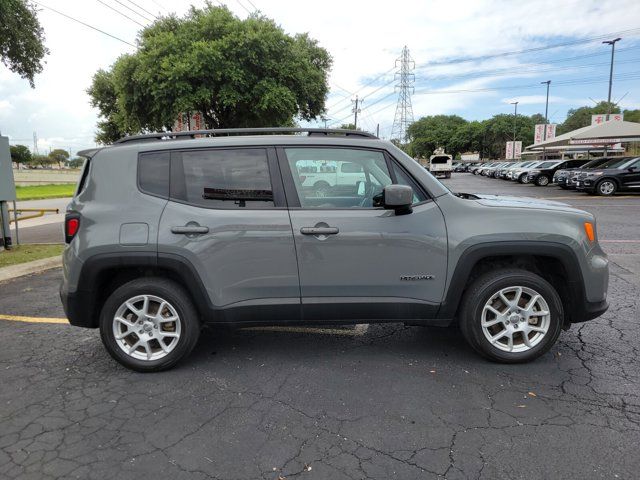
[(39, 192), (457, 135), (20, 154), (632, 115), (349, 126), (21, 39), (581, 117), (41, 160), (59, 156), (77, 162), (237, 73)]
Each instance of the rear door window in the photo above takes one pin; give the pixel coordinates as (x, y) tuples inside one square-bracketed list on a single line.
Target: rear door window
[(153, 173), (222, 178)]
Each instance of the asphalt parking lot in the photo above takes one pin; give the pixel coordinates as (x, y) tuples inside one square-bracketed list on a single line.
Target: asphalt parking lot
[(380, 401)]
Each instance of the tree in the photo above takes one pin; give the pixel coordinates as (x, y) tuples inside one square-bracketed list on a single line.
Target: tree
[(432, 132), (236, 73), (21, 39), (20, 154), (41, 160), (632, 116), (581, 117), (349, 126), (59, 156), (76, 162)]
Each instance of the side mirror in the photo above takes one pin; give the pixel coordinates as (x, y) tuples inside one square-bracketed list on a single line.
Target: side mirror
[(631, 169), (398, 198)]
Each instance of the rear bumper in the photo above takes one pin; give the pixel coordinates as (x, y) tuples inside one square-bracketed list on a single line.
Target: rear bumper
[(76, 305)]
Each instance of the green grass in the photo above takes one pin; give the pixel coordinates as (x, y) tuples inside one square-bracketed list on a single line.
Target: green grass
[(39, 192), (26, 253)]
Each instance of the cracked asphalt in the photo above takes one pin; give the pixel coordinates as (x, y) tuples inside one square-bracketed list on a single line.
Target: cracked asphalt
[(396, 402)]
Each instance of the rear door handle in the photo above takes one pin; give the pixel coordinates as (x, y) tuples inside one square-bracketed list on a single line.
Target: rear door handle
[(190, 229), (319, 230)]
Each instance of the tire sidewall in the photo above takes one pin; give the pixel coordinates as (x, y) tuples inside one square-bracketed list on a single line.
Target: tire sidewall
[(606, 180), (542, 181), (174, 294), (489, 287)]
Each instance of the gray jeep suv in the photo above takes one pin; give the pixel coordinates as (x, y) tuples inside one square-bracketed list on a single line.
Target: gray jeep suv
[(169, 231)]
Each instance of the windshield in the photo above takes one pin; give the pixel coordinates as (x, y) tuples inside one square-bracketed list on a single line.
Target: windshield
[(547, 165), (614, 162)]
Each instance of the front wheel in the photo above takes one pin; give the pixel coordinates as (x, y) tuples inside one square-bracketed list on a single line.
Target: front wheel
[(542, 181), (523, 178), (606, 187), (149, 324), (511, 315)]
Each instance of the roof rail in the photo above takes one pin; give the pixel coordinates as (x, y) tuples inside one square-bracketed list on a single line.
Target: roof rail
[(241, 131)]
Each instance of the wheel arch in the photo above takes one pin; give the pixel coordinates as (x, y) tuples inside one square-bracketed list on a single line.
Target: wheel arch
[(555, 262), (103, 273)]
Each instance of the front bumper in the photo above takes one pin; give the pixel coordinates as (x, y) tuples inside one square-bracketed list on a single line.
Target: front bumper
[(585, 185)]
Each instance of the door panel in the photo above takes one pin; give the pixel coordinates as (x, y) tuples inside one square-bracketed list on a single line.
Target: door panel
[(356, 259), (242, 248)]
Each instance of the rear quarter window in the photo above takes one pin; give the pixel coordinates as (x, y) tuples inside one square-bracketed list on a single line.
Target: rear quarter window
[(153, 173)]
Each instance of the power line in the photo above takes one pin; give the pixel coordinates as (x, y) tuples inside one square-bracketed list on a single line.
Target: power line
[(248, 11), (134, 11), (535, 49), (83, 23), (120, 13), (364, 86), (143, 9), (161, 6)]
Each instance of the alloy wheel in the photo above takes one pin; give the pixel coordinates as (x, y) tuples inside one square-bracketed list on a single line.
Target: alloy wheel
[(607, 187), (147, 327), (515, 319)]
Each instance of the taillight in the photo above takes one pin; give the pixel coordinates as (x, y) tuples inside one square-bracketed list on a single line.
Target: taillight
[(71, 227)]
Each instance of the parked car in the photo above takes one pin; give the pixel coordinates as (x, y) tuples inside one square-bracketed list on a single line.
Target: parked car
[(508, 174), (521, 174), (488, 170), (542, 176), (564, 177), (618, 175), (167, 232)]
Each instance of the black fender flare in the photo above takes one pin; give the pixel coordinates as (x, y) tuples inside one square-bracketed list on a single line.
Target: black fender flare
[(472, 255)]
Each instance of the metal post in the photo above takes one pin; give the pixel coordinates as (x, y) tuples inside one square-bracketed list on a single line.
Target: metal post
[(355, 112), (15, 220), (613, 49), (546, 120), (6, 229), (515, 120)]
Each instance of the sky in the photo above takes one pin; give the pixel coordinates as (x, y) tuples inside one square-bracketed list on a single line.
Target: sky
[(458, 48)]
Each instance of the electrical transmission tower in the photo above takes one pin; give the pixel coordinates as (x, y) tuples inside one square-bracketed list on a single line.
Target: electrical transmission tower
[(404, 87)]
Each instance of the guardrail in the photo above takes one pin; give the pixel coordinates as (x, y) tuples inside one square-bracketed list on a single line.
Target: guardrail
[(34, 213), (41, 212)]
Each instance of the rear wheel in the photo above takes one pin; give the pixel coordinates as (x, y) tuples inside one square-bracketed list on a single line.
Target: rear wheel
[(149, 324), (606, 187), (321, 189), (511, 316)]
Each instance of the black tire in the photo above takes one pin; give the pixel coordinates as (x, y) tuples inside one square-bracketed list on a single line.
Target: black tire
[(166, 290), (321, 189), (606, 187), (486, 286), (542, 180)]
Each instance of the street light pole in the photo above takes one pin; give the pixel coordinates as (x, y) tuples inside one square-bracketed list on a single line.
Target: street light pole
[(546, 119), (515, 119), (613, 49)]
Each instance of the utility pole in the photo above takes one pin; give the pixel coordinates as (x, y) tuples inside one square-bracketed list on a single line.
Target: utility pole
[(404, 87), (613, 49), (546, 119), (355, 111), (378, 130), (515, 119)]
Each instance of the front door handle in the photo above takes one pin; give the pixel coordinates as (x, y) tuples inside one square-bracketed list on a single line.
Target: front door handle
[(190, 229), (319, 230)]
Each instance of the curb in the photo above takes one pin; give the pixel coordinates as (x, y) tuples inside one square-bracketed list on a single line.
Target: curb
[(27, 268)]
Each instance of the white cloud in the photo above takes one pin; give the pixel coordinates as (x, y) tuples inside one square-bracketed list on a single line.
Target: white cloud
[(364, 39)]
